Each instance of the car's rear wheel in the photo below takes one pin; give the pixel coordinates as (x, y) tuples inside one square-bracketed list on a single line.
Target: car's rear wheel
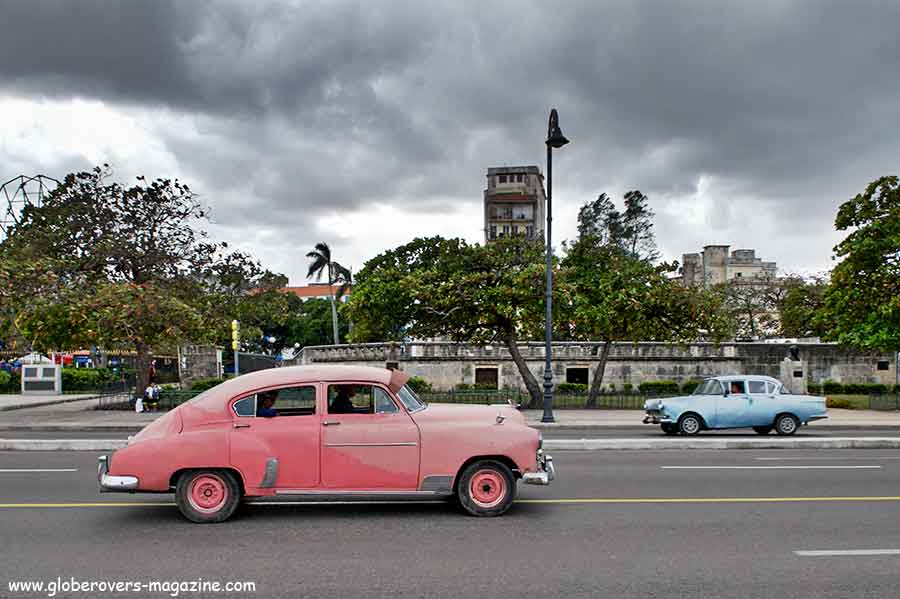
[(669, 429), (205, 496), (690, 424), (763, 430), (486, 488), (786, 424)]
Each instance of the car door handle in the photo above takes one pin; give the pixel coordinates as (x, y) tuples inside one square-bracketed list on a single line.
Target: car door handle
[(330, 423), (241, 426)]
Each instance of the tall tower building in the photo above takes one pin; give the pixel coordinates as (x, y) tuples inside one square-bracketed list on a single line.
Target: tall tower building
[(514, 202)]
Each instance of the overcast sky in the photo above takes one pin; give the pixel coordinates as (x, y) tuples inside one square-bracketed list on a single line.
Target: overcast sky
[(365, 124)]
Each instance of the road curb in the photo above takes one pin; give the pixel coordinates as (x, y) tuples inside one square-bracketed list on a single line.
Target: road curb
[(42, 404), (712, 443), (549, 444), (61, 444)]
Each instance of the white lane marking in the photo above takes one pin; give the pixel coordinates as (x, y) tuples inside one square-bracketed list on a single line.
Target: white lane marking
[(847, 552), (812, 459), (804, 467), (14, 470)]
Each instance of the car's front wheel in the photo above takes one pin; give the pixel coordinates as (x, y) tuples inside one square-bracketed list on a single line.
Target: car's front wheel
[(690, 424), (786, 424), (762, 430), (486, 488), (206, 496)]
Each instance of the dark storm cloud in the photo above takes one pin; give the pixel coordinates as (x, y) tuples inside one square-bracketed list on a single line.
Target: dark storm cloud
[(308, 108)]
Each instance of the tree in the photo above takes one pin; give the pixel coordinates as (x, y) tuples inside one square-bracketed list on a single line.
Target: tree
[(121, 266), (862, 302), (637, 227), (801, 306), (615, 292), (446, 288), (601, 221), (616, 297), (383, 306), (337, 275), (753, 303)]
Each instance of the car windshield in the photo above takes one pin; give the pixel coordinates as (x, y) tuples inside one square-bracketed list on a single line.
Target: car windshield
[(410, 399), (709, 387)]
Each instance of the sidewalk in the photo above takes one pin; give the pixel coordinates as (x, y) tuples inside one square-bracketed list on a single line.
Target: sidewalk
[(18, 402), (79, 415)]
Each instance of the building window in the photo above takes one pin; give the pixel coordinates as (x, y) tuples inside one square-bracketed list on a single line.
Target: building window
[(529, 231), (738, 274), (493, 232), (503, 178), (579, 376), (506, 230), (518, 178), (486, 377), (883, 365), (392, 365), (515, 229)]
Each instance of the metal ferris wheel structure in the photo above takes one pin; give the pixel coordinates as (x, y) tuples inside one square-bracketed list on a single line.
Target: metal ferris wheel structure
[(20, 192)]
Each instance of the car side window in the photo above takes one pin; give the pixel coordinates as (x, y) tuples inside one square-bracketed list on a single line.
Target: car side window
[(758, 387), (770, 388), (736, 388), (359, 399), (286, 401), (246, 406)]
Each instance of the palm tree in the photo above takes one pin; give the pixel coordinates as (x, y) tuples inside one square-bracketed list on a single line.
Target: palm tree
[(337, 275)]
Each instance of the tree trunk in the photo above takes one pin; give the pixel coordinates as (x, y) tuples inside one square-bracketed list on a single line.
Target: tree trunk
[(534, 389), (142, 366), (597, 383), (334, 320)]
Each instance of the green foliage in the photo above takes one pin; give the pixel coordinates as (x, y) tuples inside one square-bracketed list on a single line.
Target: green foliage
[(204, 384), (862, 303), (627, 387), (690, 385), (5, 377), (839, 402), (814, 389), (321, 262), (419, 385), (13, 383), (659, 388), (86, 379), (572, 388), (835, 388), (383, 305), (800, 307)]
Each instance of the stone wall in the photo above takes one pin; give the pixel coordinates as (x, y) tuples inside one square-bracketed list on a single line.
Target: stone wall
[(197, 362), (445, 365)]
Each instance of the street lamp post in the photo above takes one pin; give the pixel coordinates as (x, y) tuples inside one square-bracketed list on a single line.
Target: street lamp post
[(555, 139)]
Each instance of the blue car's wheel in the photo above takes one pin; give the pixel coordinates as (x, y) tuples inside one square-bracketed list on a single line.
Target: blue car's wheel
[(786, 424), (690, 424)]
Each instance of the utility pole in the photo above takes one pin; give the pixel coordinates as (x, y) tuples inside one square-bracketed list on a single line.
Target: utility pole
[(236, 344)]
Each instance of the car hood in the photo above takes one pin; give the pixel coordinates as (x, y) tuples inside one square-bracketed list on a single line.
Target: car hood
[(651, 404), (437, 412)]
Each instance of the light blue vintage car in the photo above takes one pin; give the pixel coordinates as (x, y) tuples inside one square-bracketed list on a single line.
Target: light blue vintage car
[(736, 401)]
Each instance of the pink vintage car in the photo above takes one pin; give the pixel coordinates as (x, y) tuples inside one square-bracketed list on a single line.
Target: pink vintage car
[(328, 432)]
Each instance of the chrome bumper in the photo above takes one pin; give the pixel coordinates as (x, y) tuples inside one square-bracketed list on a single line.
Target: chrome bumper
[(656, 418), (546, 471), (817, 417), (109, 483)]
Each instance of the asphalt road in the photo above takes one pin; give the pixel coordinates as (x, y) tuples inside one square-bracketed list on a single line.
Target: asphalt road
[(614, 524)]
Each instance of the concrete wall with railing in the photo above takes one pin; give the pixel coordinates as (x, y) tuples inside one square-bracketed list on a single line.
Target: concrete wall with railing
[(447, 364)]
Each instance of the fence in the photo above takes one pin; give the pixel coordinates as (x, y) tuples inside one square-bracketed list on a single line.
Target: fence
[(168, 399)]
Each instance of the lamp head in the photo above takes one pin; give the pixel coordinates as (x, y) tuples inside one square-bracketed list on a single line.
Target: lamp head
[(555, 138)]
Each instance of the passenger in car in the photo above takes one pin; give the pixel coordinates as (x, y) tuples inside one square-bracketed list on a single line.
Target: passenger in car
[(342, 404), (264, 403)]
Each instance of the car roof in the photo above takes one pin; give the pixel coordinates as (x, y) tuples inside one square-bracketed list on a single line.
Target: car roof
[(298, 375), (747, 377)]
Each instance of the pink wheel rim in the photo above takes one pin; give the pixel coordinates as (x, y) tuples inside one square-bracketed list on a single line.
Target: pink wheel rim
[(208, 493), (487, 488)]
